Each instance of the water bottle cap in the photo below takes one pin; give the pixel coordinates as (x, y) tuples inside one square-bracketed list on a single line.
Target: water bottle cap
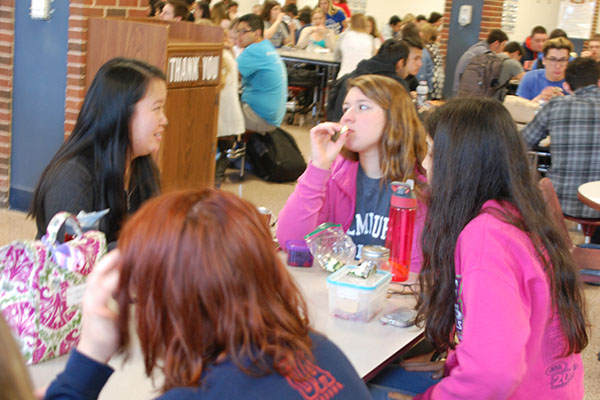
[(403, 195)]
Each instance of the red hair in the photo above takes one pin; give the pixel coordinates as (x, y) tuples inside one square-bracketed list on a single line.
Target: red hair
[(208, 284)]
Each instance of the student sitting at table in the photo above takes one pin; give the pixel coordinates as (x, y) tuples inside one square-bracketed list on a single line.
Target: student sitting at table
[(217, 313), (107, 161), (317, 36), (335, 18), (264, 77), (499, 289), (354, 45), (347, 181), (276, 31), (544, 84)]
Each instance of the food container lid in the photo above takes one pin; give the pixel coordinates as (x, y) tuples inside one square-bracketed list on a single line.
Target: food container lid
[(296, 245), (374, 251), (343, 278)]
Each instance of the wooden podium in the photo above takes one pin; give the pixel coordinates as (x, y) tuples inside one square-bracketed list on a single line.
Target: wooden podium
[(190, 56)]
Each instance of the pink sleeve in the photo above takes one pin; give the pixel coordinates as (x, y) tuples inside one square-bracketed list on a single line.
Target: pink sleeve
[(416, 254), (490, 358), (304, 210)]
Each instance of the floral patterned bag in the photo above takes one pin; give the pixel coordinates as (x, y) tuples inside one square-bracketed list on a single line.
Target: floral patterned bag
[(41, 288)]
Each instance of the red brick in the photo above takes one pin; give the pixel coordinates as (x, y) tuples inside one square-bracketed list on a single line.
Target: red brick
[(6, 37), (78, 23), (77, 46), (74, 93), (9, 26), (73, 105), (83, 2), (77, 35), (129, 3), (116, 12), (137, 13), (73, 69), (75, 57)]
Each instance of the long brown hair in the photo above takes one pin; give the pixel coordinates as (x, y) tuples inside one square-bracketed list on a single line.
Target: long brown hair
[(208, 285), (14, 379), (478, 155), (403, 146)]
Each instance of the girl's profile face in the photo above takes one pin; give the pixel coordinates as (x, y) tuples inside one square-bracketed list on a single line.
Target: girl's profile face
[(365, 120), (148, 120)]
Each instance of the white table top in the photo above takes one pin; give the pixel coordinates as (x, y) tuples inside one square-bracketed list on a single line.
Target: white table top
[(367, 345), (591, 191), (306, 55)]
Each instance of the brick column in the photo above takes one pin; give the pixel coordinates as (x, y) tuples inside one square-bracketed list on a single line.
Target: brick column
[(491, 17), (7, 29)]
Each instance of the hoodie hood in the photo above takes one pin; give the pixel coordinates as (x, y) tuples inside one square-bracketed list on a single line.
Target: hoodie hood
[(376, 65)]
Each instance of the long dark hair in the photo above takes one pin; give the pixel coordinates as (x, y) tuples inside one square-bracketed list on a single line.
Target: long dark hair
[(478, 155), (208, 285), (101, 139)]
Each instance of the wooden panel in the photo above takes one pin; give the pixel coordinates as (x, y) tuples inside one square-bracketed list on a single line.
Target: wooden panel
[(109, 38), (187, 158), (188, 30), (196, 32)]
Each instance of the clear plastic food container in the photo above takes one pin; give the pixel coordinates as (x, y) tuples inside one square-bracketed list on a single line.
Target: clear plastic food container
[(355, 298)]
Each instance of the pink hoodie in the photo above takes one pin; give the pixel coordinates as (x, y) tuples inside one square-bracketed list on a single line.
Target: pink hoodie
[(510, 340), (330, 196)]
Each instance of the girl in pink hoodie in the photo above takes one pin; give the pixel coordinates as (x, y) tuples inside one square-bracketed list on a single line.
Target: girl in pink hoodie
[(499, 290), (346, 180)]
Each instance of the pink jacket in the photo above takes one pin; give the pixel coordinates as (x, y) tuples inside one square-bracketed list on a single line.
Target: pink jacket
[(509, 338), (330, 196)]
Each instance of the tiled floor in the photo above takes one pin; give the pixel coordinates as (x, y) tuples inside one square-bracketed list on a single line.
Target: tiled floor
[(14, 225)]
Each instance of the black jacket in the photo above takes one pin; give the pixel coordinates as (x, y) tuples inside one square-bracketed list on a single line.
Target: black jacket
[(378, 64)]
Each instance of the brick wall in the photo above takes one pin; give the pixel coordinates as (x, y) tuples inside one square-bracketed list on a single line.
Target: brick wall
[(491, 17), (7, 28), (79, 12)]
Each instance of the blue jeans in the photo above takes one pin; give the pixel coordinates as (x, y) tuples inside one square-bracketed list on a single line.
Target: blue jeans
[(396, 379)]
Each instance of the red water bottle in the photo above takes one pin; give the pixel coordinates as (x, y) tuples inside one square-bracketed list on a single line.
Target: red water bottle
[(403, 209)]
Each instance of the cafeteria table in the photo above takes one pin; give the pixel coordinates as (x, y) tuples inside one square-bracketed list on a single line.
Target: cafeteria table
[(327, 68), (369, 346), (589, 194)]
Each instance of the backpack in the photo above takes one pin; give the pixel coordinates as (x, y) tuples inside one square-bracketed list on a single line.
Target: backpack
[(481, 77), (275, 156)]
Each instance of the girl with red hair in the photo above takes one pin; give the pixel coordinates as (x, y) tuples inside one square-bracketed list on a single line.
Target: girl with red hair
[(216, 311)]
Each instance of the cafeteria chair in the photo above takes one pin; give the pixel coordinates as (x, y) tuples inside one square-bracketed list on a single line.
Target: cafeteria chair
[(238, 151), (586, 257)]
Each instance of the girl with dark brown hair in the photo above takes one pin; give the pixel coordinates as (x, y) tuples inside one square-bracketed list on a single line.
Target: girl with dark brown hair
[(216, 311), (499, 289)]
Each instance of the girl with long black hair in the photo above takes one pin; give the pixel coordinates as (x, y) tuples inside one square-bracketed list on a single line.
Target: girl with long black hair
[(107, 161)]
